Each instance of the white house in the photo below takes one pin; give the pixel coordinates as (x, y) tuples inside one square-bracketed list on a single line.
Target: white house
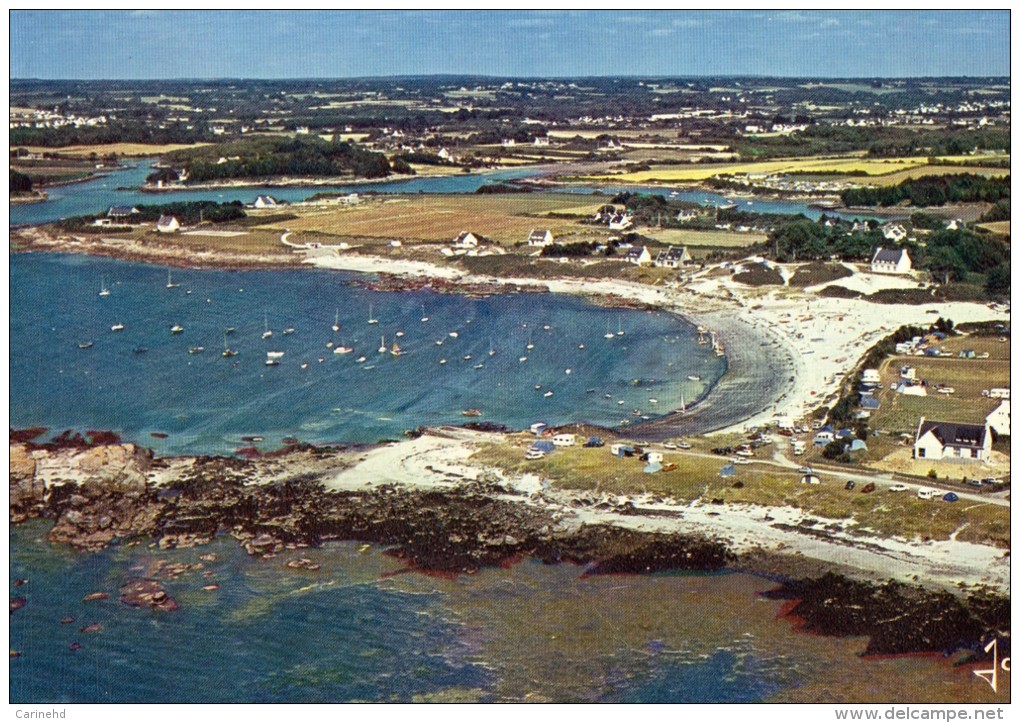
[(998, 419), (619, 222), (870, 376), (509, 143), (894, 232), (949, 440), (265, 202), (466, 239), (638, 255), (167, 224), (540, 237), (673, 258), (445, 154), (541, 140), (890, 261)]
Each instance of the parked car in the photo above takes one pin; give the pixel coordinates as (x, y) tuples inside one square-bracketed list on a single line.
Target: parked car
[(991, 481), (923, 493), (898, 488), (683, 445), (669, 445), (805, 470), (850, 485), (975, 483), (951, 497), (870, 487)]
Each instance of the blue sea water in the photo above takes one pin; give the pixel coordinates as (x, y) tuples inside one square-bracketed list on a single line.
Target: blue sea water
[(351, 632), (206, 402)]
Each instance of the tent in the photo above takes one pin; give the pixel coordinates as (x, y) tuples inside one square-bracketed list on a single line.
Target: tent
[(858, 445), (652, 467), (728, 471), (543, 445), (595, 442)]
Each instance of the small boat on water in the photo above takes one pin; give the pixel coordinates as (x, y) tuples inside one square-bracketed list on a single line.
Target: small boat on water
[(382, 345), (479, 366), (361, 359), (117, 327), (424, 316), (400, 333), (371, 318), (169, 281), (272, 362), (229, 330), (395, 350), (336, 321), (454, 334), (343, 350), (439, 343), (85, 345), (176, 329), (580, 346), (288, 331), (268, 332), (103, 291), (227, 351), (329, 344), (472, 413), (694, 377), (442, 361), (196, 349), (548, 394), (467, 357), (523, 359), (274, 354), (305, 365)]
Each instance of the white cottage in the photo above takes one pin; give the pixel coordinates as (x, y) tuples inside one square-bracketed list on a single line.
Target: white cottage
[(673, 258), (890, 261), (953, 441), (167, 224), (540, 237), (466, 239), (638, 255)]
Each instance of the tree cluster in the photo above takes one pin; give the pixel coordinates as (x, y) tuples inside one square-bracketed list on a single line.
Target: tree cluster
[(930, 191)]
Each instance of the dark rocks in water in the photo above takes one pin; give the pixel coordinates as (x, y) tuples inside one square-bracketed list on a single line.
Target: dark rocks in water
[(17, 603), (26, 435), (102, 437), (142, 592), (18, 582), (248, 452), (487, 427), (92, 628), (96, 596), (291, 440), (897, 618)]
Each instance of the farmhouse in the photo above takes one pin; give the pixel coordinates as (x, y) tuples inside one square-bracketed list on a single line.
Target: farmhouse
[(619, 222), (638, 255), (168, 224), (466, 239), (998, 419), (673, 258), (949, 440), (890, 261), (540, 237), (541, 140)]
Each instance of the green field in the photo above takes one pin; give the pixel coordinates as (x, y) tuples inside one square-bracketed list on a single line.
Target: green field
[(696, 478)]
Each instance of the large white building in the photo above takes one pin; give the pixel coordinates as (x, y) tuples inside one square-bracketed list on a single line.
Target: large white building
[(952, 441), (998, 419), (890, 261)]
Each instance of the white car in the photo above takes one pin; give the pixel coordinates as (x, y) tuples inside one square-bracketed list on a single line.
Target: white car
[(898, 488), (668, 445), (923, 493), (740, 460), (683, 445), (744, 453)]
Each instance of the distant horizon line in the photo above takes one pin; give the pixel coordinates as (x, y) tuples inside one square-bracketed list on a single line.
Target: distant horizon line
[(525, 77)]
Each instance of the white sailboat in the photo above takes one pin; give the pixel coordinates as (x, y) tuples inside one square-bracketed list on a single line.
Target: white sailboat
[(424, 316), (176, 329), (103, 291), (382, 345), (267, 333), (492, 352), (530, 344), (371, 319), (336, 321), (227, 351), (170, 281), (117, 327)]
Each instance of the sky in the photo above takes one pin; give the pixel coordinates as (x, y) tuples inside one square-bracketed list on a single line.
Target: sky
[(163, 44)]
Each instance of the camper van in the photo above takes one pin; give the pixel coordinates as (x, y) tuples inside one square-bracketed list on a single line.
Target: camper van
[(799, 447), (564, 440)]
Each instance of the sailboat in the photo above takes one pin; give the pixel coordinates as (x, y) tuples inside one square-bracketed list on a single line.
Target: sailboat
[(227, 351), (176, 329), (382, 345), (169, 281), (85, 345), (683, 405), (424, 316), (343, 349), (336, 321), (609, 335), (395, 349), (492, 352), (371, 319), (530, 345), (619, 328), (103, 291), (267, 333)]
